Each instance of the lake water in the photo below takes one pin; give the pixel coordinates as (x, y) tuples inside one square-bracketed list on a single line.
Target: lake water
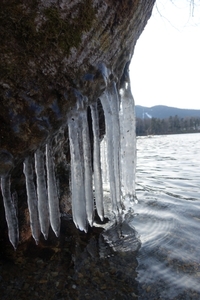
[(167, 216)]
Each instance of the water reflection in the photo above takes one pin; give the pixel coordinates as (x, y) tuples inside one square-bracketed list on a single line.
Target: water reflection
[(168, 217), (77, 266)]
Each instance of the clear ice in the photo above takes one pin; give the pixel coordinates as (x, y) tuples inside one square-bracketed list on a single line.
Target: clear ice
[(75, 127), (43, 208), (87, 160), (128, 144), (42, 199), (10, 211), (98, 186), (110, 104), (53, 200), (113, 157), (101, 164)]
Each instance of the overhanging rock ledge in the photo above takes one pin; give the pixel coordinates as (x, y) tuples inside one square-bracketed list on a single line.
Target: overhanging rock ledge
[(55, 55)]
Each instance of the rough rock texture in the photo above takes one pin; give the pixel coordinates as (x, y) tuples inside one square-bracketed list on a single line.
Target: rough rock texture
[(51, 53)]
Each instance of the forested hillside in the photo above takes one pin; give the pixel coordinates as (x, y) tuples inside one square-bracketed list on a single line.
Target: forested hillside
[(163, 112), (171, 125)]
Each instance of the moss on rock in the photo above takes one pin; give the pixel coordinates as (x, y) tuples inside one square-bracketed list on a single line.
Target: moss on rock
[(22, 38)]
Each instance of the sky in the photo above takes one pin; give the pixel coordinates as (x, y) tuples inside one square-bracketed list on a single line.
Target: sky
[(165, 68)]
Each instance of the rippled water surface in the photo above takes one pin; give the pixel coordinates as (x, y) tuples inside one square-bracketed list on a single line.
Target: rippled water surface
[(167, 216)]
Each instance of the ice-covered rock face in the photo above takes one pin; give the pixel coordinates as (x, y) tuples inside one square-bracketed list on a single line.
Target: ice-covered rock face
[(57, 60), (87, 164)]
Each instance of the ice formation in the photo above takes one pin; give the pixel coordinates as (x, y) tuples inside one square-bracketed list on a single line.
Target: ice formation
[(104, 164), (110, 103), (128, 143), (10, 211), (43, 208), (113, 156), (99, 163), (43, 205), (77, 180), (53, 200)]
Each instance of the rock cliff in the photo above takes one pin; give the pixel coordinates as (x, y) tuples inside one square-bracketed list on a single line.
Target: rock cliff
[(53, 54)]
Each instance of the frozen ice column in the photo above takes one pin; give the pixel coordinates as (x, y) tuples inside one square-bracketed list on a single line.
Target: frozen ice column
[(53, 200), (10, 211), (97, 162), (128, 143), (43, 208)]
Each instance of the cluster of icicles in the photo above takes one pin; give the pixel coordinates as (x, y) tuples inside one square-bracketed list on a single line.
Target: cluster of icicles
[(110, 163)]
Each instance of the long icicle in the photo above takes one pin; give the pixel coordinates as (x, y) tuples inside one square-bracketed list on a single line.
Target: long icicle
[(97, 162), (87, 169), (32, 199), (110, 150), (10, 212), (77, 173), (128, 143), (54, 211), (43, 208), (104, 164), (114, 104)]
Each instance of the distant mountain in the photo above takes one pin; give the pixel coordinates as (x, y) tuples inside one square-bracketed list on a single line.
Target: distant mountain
[(162, 112)]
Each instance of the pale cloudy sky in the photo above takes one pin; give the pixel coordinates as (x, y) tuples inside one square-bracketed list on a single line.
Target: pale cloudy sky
[(165, 68)]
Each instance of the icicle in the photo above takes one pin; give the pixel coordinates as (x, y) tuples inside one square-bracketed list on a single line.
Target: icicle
[(32, 199), (87, 169), (43, 208), (77, 173), (114, 104), (97, 162), (128, 143), (110, 148), (104, 164), (120, 147), (10, 211), (54, 211)]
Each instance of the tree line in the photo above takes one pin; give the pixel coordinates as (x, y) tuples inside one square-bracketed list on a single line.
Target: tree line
[(171, 125)]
